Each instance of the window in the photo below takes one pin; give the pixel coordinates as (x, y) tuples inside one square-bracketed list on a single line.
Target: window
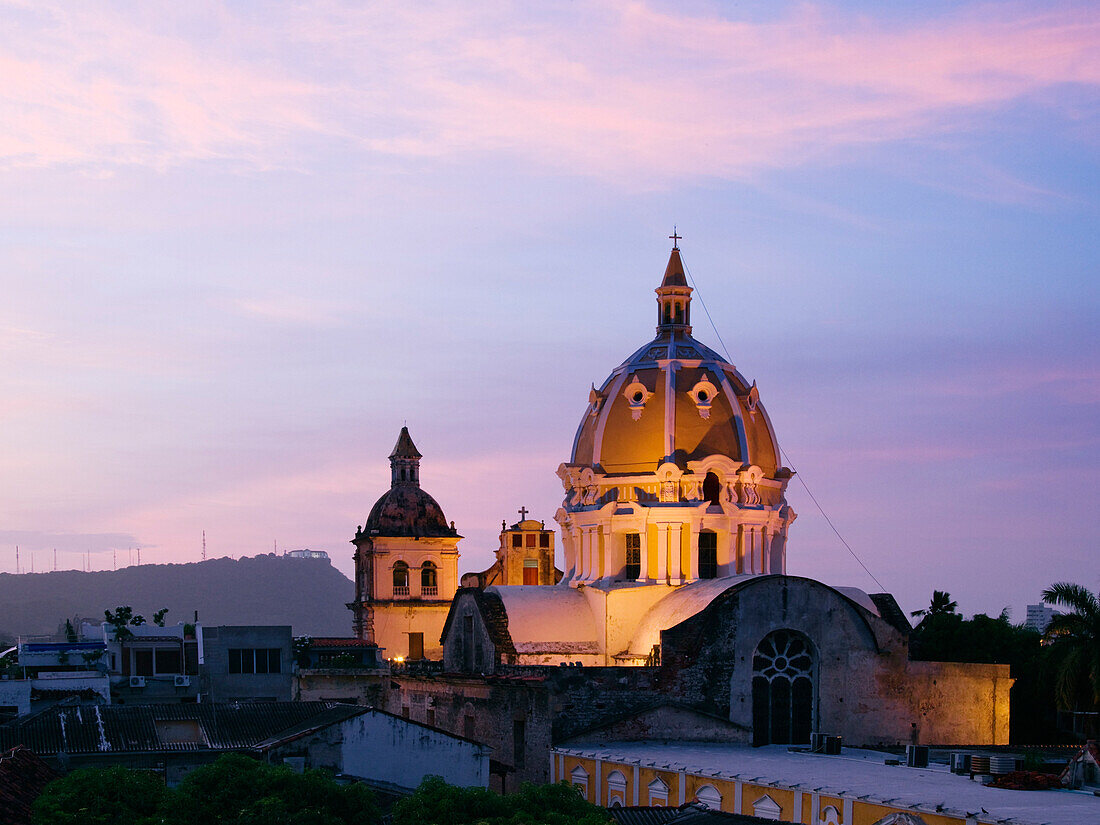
[(616, 789), (766, 808), (708, 555), (633, 556), (709, 796), (247, 660), (168, 661), (519, 744), (400, 579), (712, 487), (530, 539), (658, 793), (468, 726), (578, 778), (544, 539), (517, 540), (429, 585), (143, 662), (783, 675), (416, 645), (431, 716)]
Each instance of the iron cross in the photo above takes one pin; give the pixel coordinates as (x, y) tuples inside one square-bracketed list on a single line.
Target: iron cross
[(522, 513), (675, 238)]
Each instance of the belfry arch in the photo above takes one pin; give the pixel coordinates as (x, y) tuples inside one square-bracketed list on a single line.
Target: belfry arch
[(784, 689)]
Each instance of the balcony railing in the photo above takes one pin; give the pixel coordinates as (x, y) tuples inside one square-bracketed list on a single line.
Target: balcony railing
[(400, 590), (429, 590)]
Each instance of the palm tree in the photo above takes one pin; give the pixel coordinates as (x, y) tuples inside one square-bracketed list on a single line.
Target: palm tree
[(1075, 636), (941, 603)]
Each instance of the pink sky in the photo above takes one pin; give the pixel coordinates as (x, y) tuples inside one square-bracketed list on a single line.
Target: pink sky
[(241, 245)]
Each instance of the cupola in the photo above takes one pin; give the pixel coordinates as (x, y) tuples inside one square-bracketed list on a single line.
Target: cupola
[(405, 461), (674, 297)]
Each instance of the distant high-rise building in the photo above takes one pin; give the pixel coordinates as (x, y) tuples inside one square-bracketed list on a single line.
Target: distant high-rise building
[(1039, 616)]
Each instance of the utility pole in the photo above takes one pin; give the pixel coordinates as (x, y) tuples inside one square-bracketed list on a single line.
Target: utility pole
[(204, 545), (55, 560), (139, 557), (17, 559)]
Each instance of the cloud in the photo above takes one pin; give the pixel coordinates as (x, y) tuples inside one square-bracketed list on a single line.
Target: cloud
[(611, 90)]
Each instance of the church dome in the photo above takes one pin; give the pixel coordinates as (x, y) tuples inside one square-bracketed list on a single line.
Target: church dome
[(674, 400), (406, 509)]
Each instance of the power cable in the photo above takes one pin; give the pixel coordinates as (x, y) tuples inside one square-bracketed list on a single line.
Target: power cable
[(782, 452)]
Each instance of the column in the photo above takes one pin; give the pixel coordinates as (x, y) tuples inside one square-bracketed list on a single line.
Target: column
[(693, 554), (662, 553), (637, 779), (675, 554), (766, 541), (608, 565), (599, 780), (593, 551), (737, 535), (579, 540)]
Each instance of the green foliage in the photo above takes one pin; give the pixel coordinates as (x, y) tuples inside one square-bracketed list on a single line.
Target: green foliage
[(123, 615), (941, 603), (70, 631), (301, 650), (238, 790), (1074, 639), (437, 803), (945, 636), (101, 796), (158, 617)]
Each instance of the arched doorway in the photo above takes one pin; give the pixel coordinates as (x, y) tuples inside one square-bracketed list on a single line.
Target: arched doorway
[(784, 673)]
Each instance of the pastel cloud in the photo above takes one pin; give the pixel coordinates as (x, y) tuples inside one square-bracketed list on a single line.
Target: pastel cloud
[(609, 90)]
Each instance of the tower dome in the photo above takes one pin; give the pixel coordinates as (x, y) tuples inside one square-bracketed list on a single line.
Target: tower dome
[(406, 509), (676, 442)]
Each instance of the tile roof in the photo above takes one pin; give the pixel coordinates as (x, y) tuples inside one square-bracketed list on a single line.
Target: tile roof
[(494, 616), (691, 813), (22, 778), (134, 728), (330, 641)]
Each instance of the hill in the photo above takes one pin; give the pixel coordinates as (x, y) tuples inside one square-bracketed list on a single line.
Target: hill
[(308, 594)]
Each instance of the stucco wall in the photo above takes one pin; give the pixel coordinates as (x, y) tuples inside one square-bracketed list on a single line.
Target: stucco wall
[(384, 749)]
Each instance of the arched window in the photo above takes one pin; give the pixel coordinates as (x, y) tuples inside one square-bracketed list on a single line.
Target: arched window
[(578, 778), (428, 582), (616, 789), (708, 555), (712, 487), (783, 674), (400, 579), (709, 796), (766, 808)]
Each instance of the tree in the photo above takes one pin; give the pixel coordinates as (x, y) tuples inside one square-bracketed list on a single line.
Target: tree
[(239, 790), (1075, 639), (158, 617), (101, 796), (437, 803), (123, 615), (941, 603)]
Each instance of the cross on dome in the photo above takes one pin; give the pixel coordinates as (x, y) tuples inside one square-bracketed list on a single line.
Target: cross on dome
[(675, 238), (522, 513)]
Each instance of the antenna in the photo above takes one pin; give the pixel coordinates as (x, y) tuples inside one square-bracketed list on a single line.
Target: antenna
[(204, 545), (55, 560), (32, 561), (139, 557), (114, 558), (17, 559)]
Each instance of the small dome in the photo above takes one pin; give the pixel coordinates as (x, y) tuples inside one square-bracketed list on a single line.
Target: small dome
[(406, 510)]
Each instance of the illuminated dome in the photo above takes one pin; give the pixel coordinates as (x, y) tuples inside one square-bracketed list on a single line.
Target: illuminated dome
[(675, 473), (645, 414), (405, 509)]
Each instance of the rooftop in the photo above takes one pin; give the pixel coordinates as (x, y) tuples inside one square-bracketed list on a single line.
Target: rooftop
[(858, 774)]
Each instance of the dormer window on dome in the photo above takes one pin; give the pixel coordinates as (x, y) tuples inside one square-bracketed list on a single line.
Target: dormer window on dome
[(636, 396), (703, 395)]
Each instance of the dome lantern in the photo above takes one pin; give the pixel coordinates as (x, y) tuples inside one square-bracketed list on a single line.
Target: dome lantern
[(405, 461), (674, 297)]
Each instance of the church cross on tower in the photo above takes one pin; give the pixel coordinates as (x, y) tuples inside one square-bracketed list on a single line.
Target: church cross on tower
[(522, 513), (675, 238)]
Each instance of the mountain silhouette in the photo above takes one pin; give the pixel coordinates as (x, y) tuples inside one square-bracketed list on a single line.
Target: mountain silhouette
[(308, 594)]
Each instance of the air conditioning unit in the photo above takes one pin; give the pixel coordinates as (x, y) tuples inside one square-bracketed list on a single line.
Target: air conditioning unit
[(182, 681), (817, 743), (832, 745), (916, 756), (960, 763), (137, 681)]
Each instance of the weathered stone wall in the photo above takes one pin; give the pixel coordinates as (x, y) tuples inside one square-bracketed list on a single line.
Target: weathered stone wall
[(492, 705), (666, 723)]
